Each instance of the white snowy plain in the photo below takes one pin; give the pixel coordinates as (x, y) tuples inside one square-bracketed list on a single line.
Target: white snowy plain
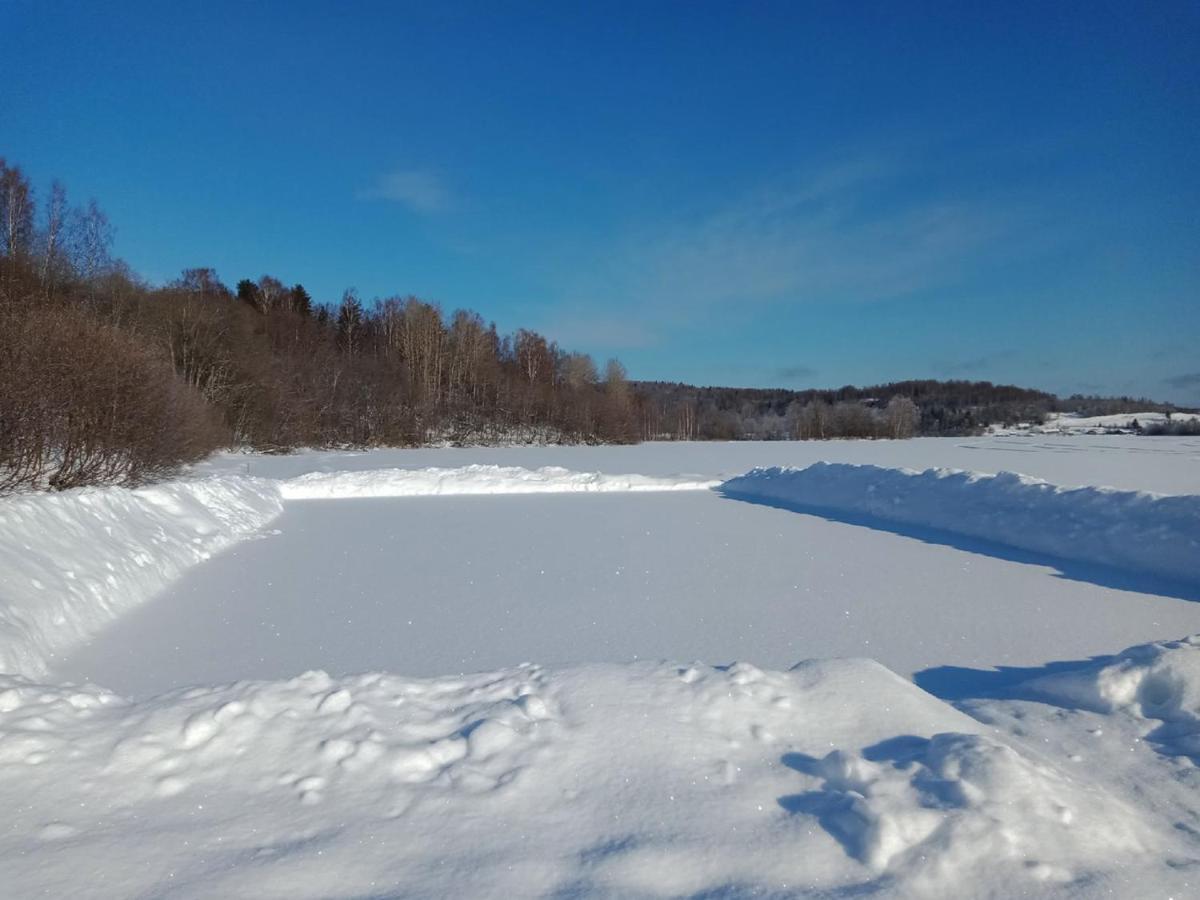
[(1006, 749)]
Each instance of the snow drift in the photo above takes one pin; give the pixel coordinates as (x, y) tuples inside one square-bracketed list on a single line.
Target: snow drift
[(1158, 681), (641, 780), (1127, 529), (476, 479), (70, 563)]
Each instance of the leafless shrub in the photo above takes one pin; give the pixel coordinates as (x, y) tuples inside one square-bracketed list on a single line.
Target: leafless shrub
[(82, 402)]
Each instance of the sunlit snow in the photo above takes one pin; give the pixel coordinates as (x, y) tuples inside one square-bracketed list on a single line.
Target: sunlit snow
[(590, 679)]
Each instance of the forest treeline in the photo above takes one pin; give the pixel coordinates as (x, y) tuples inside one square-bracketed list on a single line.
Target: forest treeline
[(107, 379), (897, 409), (104, 378)]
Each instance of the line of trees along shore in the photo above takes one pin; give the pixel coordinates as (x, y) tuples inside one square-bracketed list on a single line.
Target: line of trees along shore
[(107, 379), (895, 410), (930, 408), (104, 378)]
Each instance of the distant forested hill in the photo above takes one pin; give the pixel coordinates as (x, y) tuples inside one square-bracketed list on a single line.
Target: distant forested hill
[(898, 409)]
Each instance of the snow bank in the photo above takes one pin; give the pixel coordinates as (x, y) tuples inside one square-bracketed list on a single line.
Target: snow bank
[(1150, 681), (476, 479), (643, 780), (1127, 529), (70, 563)]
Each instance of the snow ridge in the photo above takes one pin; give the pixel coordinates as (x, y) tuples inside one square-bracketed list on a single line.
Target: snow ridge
[(476, 479), (70, 563), (1134, 530)]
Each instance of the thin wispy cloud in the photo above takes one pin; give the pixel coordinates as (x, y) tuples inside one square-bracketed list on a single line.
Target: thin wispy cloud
[(579, 327), (974, 365), (851, 233), (420, 191), (1187, 380), (794, 373), (832, 240)]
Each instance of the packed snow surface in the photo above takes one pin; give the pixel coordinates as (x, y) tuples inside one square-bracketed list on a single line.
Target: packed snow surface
[(1021, 758), (431, 585), (1128, 529)]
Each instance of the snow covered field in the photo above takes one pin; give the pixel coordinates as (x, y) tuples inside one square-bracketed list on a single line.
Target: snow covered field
[(1075, 424), (437, 585), (638, 728), (1167, 465)]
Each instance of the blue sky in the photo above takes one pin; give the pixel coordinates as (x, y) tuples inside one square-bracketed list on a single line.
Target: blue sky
[(791, 194)]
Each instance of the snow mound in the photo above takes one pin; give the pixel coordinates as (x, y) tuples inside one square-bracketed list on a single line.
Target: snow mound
[(641, 780), (70, 563), (1127, 529), (476, 479), (964, 803), (1150, 681)]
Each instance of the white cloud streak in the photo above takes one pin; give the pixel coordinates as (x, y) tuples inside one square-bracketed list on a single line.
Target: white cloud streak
[(857, 232), (834, 239), (420, 191)]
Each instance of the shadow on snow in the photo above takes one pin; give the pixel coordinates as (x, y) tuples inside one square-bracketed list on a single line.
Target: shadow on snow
[(1072, 570)]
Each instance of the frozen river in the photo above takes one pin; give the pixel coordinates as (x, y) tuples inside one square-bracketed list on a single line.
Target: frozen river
[(434, 585)]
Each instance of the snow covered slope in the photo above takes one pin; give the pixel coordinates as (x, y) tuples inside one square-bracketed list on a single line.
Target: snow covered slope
[(1127, 529), (644, 780), (70, 563), (1070, 423)]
